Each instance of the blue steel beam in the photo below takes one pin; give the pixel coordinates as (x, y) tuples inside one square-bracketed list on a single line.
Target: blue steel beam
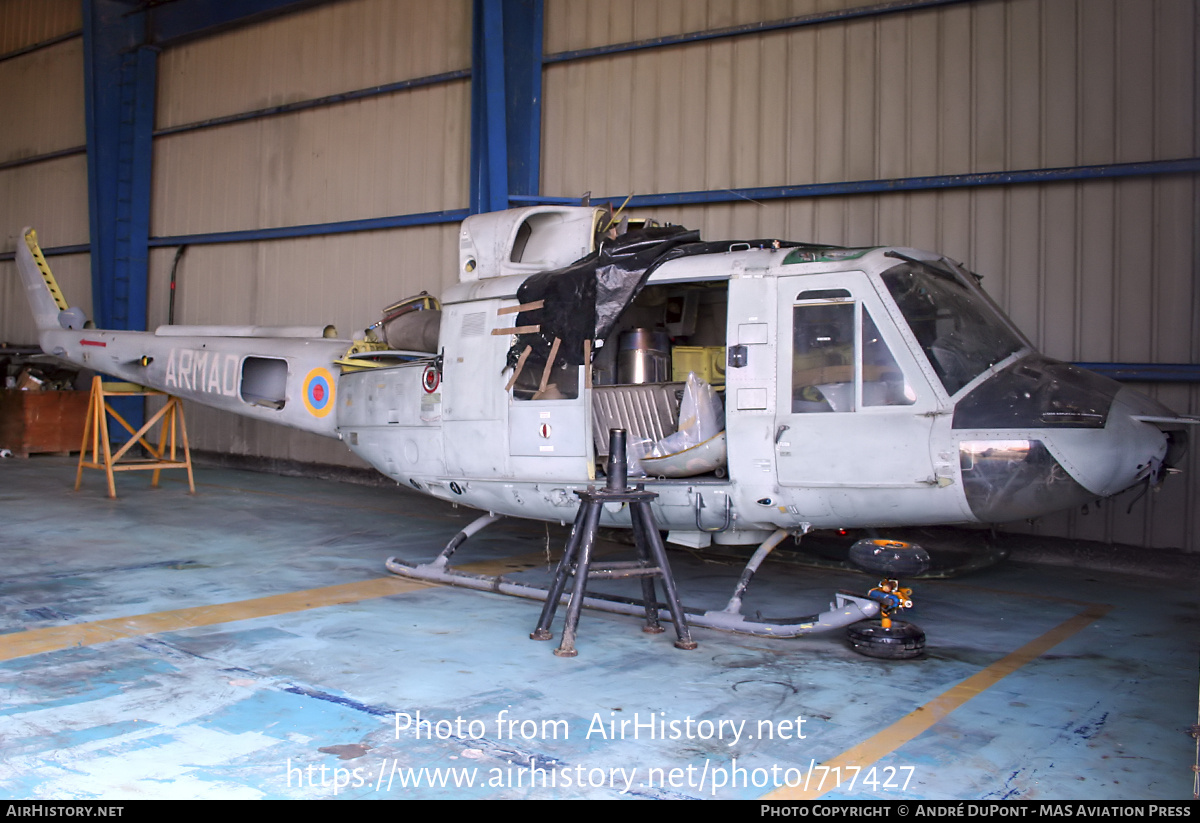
[(41, 158), (318, 102), (506, 92), (314, 229), (1147, 372), (78, 248), (1186, 165), (70, 35), (172, 22)]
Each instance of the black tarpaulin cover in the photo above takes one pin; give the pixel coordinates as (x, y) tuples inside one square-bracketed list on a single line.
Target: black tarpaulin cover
[(583, 301)]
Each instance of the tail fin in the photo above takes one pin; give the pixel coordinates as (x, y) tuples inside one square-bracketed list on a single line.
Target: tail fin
[(45, 298)]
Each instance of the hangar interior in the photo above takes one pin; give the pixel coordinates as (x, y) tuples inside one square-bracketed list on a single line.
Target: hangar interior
[(278, 162)]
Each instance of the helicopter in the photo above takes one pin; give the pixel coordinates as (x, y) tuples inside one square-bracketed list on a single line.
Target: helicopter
[(767, 388)]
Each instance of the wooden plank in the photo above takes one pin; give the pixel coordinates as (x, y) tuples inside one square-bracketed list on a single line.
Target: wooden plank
[(549, 366), (518, 330), (587, 363), (534, 306), (520, 365)]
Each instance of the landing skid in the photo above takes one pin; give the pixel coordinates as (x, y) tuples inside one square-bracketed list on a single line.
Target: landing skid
[(844, 611)]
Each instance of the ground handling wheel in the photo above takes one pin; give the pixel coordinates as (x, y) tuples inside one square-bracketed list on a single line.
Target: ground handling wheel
[(890, 558), (899, 641)]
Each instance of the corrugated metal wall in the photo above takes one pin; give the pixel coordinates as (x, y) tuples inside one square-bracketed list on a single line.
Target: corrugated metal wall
[(1100, 270), (41, 95), (24, 23), (399, 153)]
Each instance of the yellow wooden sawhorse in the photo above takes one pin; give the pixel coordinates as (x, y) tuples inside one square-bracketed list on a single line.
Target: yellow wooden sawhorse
[(95, 435)]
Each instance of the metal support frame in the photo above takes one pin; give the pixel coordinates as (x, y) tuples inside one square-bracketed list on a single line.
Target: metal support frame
[(121, 38)]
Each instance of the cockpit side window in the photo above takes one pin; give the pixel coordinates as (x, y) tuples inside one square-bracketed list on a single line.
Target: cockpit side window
[(883, 382), (830, 373)]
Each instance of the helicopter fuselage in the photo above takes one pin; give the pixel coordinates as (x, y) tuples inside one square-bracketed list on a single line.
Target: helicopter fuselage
[(860, 388)]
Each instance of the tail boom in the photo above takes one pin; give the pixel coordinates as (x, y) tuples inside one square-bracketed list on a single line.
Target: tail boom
[(288, 381)]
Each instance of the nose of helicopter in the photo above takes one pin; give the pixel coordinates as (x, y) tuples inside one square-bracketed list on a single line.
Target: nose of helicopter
[(1043, 436), (1126, 451)]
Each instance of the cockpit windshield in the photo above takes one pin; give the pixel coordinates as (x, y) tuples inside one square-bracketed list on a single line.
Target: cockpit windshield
[(960, 331)]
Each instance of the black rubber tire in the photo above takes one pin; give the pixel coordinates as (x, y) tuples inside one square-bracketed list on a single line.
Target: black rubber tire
[(902, 641), (892, 558)]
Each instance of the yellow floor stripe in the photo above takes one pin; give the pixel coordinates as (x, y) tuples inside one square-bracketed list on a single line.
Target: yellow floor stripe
[(906, 728), (55, 638)]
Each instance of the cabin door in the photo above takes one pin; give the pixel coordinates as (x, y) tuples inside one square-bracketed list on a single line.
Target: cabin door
[(853, 411), (472, 393)]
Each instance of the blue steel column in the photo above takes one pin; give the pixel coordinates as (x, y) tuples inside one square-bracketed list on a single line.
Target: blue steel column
[(132, 225), (119, 86), (523, 37), (506, 93)]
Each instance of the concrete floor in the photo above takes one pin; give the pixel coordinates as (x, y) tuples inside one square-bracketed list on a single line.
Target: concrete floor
[(246, 643)]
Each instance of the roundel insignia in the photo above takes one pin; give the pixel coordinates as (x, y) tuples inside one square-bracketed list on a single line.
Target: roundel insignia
[(318, 392), (431, 379)]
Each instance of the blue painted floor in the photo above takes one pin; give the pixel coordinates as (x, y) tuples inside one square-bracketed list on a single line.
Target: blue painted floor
[(437, 692)]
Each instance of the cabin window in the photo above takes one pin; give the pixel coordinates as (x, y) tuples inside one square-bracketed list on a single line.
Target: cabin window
[(823, 357), (264, 381), (559, 382), (829, 341)]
